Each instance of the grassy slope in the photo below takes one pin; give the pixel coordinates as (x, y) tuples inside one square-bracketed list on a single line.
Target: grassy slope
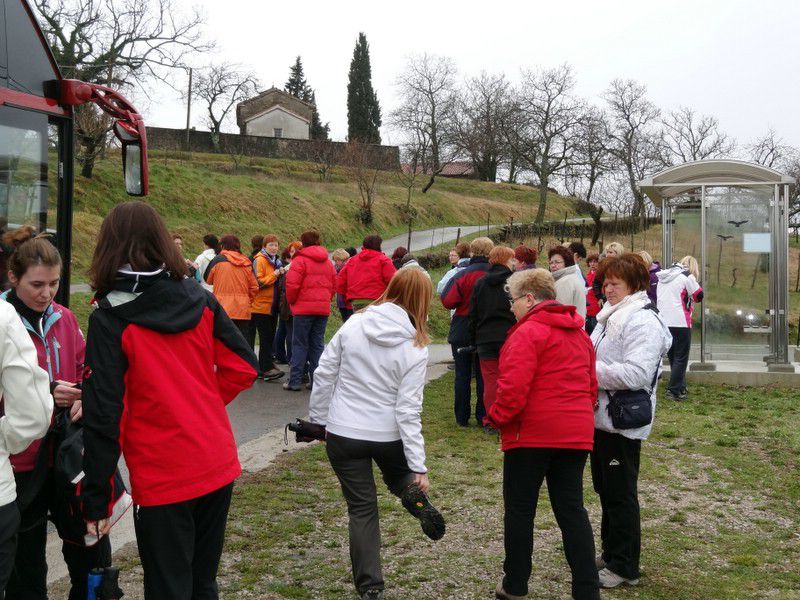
[(203, 195)]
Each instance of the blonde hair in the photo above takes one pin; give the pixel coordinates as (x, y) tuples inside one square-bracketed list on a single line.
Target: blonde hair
[(500, 255), (481, 246), (537, 282), (616, 247), (690, 264), (648, 260), (412, 290), (340, 254)]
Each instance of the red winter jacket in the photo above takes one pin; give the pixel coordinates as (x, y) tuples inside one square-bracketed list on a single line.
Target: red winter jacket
[(547, 386), (592, 303), (311, 282), (365, 276)]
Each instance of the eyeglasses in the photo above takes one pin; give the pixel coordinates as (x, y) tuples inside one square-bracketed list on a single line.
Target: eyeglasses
[(512, 300)]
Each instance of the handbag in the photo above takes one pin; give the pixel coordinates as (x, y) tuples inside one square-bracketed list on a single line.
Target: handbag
[(631, 409), (304, 431)]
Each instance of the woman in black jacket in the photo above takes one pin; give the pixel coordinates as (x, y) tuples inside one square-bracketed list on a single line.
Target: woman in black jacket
[(490, 318)]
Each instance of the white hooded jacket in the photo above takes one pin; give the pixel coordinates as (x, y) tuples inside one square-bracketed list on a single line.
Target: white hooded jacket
[(369, 382), (25, 389)]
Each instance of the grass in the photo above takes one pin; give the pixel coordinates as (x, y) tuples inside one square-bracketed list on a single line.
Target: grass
[(720, 519)]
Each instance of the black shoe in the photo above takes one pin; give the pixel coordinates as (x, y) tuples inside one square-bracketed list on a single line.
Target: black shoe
[(292, 388), (416, 502), (374, 594), (273, 374)]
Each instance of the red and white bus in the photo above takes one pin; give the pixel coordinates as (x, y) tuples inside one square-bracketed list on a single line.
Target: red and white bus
[(36, 136)]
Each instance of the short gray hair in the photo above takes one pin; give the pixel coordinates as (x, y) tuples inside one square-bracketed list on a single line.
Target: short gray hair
[(537, 282)]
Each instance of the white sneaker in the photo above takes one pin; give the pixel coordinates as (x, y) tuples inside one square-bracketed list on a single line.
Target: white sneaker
[(609, 579)]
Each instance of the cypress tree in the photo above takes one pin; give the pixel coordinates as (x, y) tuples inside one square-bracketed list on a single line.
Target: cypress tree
[(318, 131), (363, 110)]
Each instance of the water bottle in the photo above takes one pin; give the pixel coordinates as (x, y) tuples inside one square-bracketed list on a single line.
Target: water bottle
[(95, 579)]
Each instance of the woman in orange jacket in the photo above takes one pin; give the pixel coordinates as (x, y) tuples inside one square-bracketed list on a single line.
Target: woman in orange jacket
[(235, 285), (268, 269)]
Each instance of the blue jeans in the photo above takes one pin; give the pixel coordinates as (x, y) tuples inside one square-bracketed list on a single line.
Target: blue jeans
[(307, 345), (282, 345), (467, 367)]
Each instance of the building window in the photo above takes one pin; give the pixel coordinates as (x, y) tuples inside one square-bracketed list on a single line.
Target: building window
[(277, 132)]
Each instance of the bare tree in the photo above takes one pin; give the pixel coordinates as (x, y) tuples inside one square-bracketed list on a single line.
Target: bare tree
[(113, 42), (540, 125), (478, 130), (770, 150), (324, 155), (222, 87), (633, 140), (364, 170), (428, 101), (691, 137)]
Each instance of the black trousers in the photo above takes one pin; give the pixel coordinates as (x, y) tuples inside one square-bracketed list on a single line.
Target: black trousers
[(615, 476), (524, 470), (243, 325), (467, 367), (180, 546), (9, 524), (678, 356), (28, 580), (264, 325), (351, 460)]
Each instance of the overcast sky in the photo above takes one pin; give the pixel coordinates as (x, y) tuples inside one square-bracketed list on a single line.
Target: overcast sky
[(735, 59)]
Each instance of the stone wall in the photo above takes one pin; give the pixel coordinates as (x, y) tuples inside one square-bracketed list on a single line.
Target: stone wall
[(333, 153)]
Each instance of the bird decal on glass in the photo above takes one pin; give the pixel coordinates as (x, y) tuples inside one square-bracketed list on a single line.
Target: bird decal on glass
[(738, 223), (724, 238)]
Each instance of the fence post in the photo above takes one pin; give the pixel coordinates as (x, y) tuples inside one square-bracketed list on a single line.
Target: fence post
[(487, 224), (458, 236)]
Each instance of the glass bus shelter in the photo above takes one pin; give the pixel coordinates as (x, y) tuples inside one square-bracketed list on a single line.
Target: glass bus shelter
[(732, 216)]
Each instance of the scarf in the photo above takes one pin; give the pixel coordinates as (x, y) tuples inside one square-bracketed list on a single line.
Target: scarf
[(273, 260), (614, 317)]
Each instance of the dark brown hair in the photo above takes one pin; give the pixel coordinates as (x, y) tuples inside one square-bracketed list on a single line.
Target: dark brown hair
[(373, 242), (257, 242), (133, 233), (462, 249), (269, 239), (34, 252), (593, 257), (399, 252), (230, 242), (310, 237), (563, 252), (525, 254), (628, 267)]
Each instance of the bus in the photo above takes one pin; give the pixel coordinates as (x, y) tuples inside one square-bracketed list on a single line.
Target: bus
[(36, 138)]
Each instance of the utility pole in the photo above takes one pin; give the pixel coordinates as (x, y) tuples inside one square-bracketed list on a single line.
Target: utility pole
[(188, 108)]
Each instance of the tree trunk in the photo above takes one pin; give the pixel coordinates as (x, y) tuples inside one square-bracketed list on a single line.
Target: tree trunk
[(542, 200), (89, 156)]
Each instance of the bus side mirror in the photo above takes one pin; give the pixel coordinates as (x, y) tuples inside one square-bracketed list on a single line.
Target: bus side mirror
[(134, 156)]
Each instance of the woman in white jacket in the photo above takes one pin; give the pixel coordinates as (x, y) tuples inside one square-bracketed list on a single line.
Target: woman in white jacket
[(27, 408), (629, 341), (570, 286), (368, 392)]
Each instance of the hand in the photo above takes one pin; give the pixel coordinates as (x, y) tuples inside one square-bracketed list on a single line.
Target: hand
[(98, 528), (76, 411), (421, 481), (66, 394)]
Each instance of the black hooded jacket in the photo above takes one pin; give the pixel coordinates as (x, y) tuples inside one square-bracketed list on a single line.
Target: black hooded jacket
[(490, 315)]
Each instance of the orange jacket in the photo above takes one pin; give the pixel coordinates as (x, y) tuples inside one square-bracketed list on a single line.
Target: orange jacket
[(235, 286), (266, 277)]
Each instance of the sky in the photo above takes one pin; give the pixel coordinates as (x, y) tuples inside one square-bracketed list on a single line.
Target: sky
[(737, 60)]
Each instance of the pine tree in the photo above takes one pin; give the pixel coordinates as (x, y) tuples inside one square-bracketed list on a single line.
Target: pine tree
[(363, 110), (297, 85), (318, 131)]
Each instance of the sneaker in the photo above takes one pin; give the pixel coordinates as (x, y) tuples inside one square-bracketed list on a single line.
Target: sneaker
[(273, 374), (292, 388), (599, 563), (670, 396), (373, 594), (489, 430), (417, 503), (451, 367), (502, 594), (609, 579), (684, 395)]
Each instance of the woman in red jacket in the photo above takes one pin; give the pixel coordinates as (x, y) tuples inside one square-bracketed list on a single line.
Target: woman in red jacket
[(365, 276), (310, 287), (544, 411), (163, 359)]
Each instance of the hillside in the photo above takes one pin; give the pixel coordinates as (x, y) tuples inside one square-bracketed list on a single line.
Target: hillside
[(203, 195)]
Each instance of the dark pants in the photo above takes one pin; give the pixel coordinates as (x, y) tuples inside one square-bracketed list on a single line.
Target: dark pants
[(352, 462), (678, 356), (264, 325), (615, 475), (591, 323), (9, 524), (28, 579), (180, 546), (524, 470), (282, 346), (307, 345), (243, 325), (466, 367), (346, 313)]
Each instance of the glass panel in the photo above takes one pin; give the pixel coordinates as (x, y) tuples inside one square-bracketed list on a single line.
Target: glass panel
[(736, 282), (686, 241)]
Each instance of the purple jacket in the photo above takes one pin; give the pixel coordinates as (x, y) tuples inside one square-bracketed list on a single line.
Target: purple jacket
[(652, 290)]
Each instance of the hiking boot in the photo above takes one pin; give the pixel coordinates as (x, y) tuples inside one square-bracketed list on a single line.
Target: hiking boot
[(416, 502), (292, 388), (684, 395), (502, 594), (670, 396), (273, 374), (599, 563), (373, 594), (609, 579)]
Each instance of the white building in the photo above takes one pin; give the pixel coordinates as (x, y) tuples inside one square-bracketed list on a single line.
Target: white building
[(275, 113)]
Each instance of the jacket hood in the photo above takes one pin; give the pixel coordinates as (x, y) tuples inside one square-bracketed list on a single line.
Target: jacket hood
[(387, 324), (556, 315), (655, 267), (497, 275), (570, 270), (315, 253), (237, 258), (156, 301), (667, 275), (369, 254)]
